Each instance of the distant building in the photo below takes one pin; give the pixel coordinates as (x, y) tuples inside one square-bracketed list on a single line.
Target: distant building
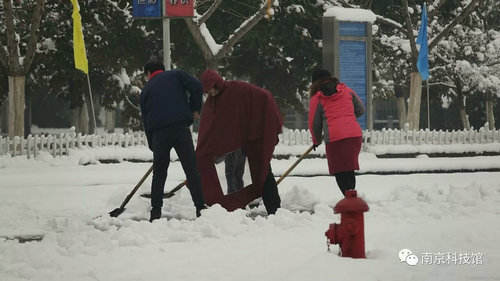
[(385, 114)]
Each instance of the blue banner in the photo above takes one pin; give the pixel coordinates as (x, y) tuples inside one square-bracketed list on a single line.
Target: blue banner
[(352, 66), (146, 8), (423, 54)]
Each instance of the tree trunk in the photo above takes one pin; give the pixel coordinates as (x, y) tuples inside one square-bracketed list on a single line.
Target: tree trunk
[(490, 115), (4, 125), (401, 108), (11, 59), (414, 102), (81, 119), (109, 123), (212, 64), (92, 125), (461, 110), (27, 114), (16, 106)]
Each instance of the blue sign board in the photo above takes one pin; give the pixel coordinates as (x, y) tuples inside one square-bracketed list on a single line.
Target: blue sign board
[(352, 67), (146, 8), (348, 28)]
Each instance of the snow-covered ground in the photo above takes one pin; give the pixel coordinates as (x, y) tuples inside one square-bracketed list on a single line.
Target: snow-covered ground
[(450, 221)]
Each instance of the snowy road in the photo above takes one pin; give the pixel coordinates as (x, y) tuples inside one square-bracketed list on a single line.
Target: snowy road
[(431, 214)]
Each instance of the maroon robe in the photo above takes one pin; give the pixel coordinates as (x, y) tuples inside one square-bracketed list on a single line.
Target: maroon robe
[(242, 116)]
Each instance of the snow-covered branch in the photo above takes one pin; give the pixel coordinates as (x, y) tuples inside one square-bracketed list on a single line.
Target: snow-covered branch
[(12, 47), (241, 31), (213, 52), (409, 31), (493, 63), (391, 23), (434, 7), (200, 39), (449, 84), (209, 12), (34, 32), (465, 13)]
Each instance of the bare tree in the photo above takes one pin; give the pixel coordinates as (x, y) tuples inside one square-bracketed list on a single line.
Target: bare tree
[(197, 27), (16, 65)]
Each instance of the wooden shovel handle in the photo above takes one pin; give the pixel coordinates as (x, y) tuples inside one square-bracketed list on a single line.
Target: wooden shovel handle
[(295, 164), (136, 187)]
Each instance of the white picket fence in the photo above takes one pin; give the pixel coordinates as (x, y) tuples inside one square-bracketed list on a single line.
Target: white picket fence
[(58, 145), (421, 137)]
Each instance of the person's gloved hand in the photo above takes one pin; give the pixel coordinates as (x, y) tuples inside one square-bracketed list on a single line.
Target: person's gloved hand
[(315, 145)]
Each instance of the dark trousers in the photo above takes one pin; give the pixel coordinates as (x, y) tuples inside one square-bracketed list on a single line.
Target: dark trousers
[(270, 195), (179, 138), (346, 181), (235, 169)]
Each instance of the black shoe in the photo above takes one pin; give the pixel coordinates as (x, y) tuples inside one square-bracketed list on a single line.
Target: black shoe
[(198, 210), (155, 214), (271, 210)]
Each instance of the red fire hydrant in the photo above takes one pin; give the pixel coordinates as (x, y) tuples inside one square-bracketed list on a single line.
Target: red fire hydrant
[(350, 233)]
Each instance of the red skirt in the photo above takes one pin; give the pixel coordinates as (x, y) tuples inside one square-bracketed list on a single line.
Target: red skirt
[(342, 155)]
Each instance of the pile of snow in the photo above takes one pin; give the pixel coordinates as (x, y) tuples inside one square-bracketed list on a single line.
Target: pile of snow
[(433, 215)]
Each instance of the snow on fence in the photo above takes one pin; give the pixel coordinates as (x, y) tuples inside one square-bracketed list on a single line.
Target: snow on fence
[(58, 145), (405, 136)]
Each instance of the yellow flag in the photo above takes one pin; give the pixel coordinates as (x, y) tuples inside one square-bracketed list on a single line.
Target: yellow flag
[(78, 43)]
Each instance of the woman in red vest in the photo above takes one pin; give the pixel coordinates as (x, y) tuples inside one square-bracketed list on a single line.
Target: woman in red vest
[(333, 110)]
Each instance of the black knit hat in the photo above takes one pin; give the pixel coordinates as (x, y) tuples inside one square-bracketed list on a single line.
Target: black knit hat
[(320, 74)]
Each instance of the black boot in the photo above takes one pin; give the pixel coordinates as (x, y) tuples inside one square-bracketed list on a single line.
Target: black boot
[(270, 195), (198, 210), (155, 214)]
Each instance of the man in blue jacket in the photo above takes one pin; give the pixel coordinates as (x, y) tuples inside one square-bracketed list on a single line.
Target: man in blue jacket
[(167, 112)]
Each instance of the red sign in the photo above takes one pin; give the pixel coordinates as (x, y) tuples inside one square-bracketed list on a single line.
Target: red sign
[(179, 8)]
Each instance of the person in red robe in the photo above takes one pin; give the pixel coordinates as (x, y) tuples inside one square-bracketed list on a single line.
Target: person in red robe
[(238, 116)]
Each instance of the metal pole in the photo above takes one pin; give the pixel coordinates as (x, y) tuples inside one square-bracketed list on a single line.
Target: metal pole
[(166, 42), (428, 107), (92, 104)]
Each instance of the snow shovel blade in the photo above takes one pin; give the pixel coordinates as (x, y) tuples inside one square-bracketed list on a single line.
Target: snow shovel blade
[(165, 195), (168, 194), (116, 212)]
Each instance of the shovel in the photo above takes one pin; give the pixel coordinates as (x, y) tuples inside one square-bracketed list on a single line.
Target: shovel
[(168, 194), (180, 185), (295, 164), (118, 211), (288, 171)]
